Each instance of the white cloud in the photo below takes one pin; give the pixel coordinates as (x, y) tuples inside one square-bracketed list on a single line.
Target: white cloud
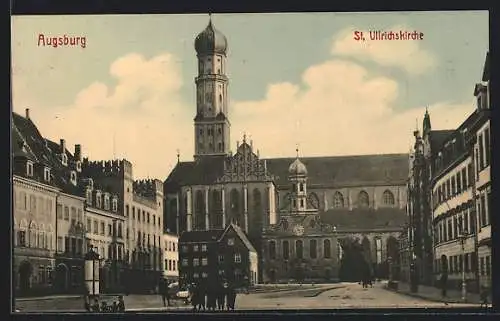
[(405, 54), (142, 116), (340, 110)]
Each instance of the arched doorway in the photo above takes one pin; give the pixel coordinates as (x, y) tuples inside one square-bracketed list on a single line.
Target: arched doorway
[(367, 254), (62, 277), (393, 254), (353, 263), (25, 270)]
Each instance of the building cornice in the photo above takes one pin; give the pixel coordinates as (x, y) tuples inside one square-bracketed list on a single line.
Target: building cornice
[(399, 183), (80, 198), (36, 184), (102, 212)]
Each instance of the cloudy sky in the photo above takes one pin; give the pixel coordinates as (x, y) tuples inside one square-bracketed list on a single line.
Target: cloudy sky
[(294, 79)]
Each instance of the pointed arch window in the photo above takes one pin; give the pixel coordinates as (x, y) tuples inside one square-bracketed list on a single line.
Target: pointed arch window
[(363, 199), (234, 198), (388, 198), (338, 200), (199, 209)]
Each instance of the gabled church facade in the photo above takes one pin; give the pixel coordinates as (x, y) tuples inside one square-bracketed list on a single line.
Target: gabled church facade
[(362, 196)]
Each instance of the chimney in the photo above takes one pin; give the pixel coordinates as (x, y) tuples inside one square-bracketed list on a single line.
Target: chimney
[(63, 146), (78, 152), (27, 113)]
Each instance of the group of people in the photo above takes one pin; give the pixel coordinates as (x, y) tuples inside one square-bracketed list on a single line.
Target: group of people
[(221, 296), (116, 307)]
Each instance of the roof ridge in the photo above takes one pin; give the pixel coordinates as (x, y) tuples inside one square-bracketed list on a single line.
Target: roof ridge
[(339, 156)]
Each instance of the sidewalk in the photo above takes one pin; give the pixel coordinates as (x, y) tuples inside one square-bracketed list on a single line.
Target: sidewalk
[(49, 297), (431, 293)]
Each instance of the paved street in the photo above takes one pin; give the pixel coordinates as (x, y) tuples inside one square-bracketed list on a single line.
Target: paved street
[(327, 296), (345, 295)]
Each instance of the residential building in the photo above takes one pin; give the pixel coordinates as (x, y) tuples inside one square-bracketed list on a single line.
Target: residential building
[(141, 204), (481, 140), (171, 244), (105, 233), (64, 203), (34, 218), (208, 257)]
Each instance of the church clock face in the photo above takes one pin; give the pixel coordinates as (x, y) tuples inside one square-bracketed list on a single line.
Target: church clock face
[(298, 230)]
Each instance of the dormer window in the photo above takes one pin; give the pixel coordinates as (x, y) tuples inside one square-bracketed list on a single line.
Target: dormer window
[(46, 174), (64, 159), (106, 202), (115, 205), (98, 200), (73, 177), (78, 166), (91, 183), (89, 196), (29, 169)]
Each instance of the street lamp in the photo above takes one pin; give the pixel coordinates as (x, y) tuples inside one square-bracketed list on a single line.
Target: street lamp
[(461, 238), (92, 272)]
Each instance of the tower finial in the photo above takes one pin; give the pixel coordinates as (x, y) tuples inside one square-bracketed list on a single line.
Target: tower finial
[(178, 156), (244, 137), (416, 123), (209, 18), (297, 150)]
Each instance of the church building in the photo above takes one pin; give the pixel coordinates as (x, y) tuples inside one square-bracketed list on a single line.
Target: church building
[(313, 201)]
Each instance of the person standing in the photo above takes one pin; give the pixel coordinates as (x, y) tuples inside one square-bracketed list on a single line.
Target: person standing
[(162, 289), (212, 297), (121, 304), (194, 296), (221, 295), (231, 297)]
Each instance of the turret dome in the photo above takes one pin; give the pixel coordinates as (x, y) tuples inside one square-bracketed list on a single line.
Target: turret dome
[(297, 168), (210, 41)]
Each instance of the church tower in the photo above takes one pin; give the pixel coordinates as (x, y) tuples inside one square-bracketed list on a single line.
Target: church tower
[(297, 174), (211, 123)]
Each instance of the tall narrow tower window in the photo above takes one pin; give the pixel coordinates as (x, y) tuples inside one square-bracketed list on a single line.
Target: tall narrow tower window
[(220, 100), (201, 131)]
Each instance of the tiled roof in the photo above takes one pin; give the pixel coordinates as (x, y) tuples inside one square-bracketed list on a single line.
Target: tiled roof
[(215, 235), (346, 170), (46, 152), (19, 148), (33, 138), (241, 235), (201, 236), (337, 170), (438, 137), (204, 171), (364, 219)]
